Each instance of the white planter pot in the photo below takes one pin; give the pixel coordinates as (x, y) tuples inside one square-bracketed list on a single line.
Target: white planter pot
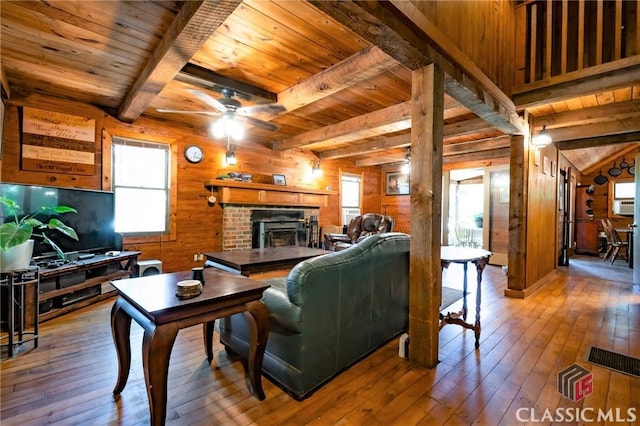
[(17, 257)]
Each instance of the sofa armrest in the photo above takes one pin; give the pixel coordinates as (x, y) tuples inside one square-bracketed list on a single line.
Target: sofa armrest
[(281, 310)]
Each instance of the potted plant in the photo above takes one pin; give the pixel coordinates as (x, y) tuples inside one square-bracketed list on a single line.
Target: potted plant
[(478, 219), (16, 245)]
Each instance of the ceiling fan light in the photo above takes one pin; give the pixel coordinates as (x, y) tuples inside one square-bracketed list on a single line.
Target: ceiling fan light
[(542, 139), (218, 129), (234, 129)]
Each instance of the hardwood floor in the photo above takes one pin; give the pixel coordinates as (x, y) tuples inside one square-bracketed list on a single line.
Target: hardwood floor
[(524, 344)]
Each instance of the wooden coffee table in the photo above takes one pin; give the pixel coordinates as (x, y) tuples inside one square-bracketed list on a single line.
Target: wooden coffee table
[(253, 261), (152, 303)]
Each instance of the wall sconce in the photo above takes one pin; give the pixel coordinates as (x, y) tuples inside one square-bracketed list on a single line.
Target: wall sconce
[(316, 171), (542, 139), (230, 157), (406, 167)]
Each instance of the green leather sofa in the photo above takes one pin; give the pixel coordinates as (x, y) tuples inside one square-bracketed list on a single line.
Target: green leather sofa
[(329, 312)]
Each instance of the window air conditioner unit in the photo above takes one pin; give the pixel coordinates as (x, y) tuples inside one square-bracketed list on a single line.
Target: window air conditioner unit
[(348, 214), (623, 207)]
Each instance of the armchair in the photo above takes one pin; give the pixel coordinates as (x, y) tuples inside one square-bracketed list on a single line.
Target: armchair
[(359, 228)]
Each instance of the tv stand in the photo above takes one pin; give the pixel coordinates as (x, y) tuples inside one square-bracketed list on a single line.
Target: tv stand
[(77, 284)]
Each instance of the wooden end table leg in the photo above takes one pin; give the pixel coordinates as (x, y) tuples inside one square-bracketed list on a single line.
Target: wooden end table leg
[(464, 292), (156, 351), (257, 316), (480, 264), (207, 330), (120, 331)]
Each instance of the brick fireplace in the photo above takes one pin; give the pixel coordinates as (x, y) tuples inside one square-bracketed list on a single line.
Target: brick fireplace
[(238, 227)]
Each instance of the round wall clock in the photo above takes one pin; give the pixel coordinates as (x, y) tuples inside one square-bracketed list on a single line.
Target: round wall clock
[(193, 154)]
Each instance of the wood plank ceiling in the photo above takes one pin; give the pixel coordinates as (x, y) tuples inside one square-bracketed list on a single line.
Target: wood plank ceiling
[(344, 96)]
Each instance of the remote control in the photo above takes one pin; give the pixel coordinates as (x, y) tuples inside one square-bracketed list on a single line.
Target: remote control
[(86, 256)]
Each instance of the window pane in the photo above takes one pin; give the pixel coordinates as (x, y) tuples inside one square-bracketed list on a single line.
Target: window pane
[(140, 210), (624, 190), (350, 193), (143, 167)]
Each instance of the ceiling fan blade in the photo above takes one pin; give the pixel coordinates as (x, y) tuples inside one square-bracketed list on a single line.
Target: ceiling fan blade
[(272, 109), (209, 100), (182, 111), (256, 122)]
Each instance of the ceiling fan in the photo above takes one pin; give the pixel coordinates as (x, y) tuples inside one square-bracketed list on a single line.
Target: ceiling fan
[(230, 108)]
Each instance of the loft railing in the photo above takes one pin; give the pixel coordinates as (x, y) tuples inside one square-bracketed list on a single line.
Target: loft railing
[(557, 37)]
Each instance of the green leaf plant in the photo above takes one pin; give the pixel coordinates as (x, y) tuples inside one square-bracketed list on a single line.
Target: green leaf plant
[(22, 229)]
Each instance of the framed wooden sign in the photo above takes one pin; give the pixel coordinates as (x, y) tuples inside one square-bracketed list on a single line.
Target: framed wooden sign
[(57, 142)]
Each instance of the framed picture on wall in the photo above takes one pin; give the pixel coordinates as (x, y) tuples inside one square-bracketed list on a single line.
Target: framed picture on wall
[(546, 165), (279, 180), (397, 183)]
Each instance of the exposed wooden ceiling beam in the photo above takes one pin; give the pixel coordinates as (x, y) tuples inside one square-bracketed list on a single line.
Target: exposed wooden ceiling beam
[(381, 143), (358, 67), (590, 115), (610, 159), (448, 163), (372, 120), (599, 141), (614, 127), (376, 144), (476, 146), (421, 44), (612, 75), (193, 25), (396, 116), (493, 154)]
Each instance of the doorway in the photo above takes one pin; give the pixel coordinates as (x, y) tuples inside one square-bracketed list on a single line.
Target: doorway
[(465, 216), (476, 210)]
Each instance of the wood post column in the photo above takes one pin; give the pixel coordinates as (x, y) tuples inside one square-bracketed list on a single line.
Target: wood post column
[(518, 193), (425, 288)]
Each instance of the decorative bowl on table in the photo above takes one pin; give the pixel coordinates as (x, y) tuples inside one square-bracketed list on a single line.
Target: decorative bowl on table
[(188, 288)]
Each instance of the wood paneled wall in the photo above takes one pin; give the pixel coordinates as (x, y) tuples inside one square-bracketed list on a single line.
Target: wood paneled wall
[(198, 224), (541, 219), (396, 206), (483, 30)]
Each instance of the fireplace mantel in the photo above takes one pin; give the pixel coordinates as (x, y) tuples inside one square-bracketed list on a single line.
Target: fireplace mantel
[(233, 192)]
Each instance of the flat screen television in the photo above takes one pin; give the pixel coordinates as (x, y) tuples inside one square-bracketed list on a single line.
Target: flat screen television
[(94, 221)]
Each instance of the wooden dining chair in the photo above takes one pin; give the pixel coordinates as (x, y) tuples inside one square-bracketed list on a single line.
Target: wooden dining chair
[(614, 243), (606, 226), (618, 244)]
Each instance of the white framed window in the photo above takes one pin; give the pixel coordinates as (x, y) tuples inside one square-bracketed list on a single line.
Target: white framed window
[(624, 190), (350, 196), (141, 186)]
